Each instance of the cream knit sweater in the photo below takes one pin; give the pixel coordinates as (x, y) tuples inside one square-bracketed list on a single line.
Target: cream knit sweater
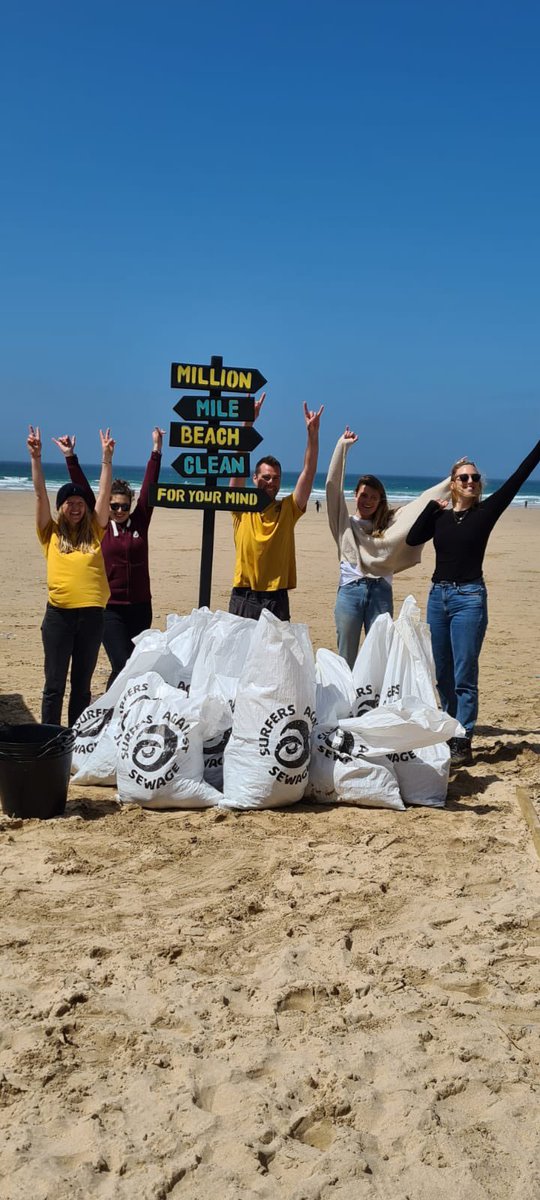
[(374, 555)]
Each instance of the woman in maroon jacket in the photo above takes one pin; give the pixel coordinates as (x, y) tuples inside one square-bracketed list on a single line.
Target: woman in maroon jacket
[(125, 550)]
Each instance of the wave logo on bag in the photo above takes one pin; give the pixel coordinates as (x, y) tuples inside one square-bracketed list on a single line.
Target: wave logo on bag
[(288, 742), (90, 724), (214, 749), (339, 745), (367, 698), (155, 748), (130, 697)]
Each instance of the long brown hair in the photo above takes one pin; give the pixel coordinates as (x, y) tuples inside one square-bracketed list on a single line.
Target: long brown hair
[(78, 537), (383, 513)]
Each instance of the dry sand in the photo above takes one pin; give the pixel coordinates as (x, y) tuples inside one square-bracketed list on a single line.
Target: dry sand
[(312, 1003)]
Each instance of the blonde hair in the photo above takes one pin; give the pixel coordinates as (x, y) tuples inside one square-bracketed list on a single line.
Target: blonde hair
[(455, 471), (80, 537)]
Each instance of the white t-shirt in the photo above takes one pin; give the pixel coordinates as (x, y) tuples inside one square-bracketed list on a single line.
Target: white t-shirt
[(348, 573)]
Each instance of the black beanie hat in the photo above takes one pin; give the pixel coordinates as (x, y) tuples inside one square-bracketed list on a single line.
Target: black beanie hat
[(71, 489)]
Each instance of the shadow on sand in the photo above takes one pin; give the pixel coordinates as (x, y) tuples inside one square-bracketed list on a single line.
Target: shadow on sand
[(14, 710)]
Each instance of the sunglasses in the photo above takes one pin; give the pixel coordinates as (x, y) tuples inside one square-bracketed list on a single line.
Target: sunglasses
[(120, 507), (475, 477)]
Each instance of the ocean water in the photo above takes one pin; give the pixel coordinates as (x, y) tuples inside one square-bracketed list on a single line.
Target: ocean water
[(15, 476)]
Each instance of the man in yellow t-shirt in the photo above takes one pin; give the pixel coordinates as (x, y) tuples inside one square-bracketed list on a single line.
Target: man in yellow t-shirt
[(265, 568)]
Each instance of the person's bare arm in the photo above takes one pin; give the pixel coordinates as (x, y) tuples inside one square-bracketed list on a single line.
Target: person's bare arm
[(103, 497), (43, 508), (240, 480), (305, 479)]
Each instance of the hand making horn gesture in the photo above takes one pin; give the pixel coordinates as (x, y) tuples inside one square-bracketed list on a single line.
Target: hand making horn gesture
[(312, 418), (66, 444)]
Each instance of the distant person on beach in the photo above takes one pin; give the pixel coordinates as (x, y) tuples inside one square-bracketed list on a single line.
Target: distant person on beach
[(125, 550), (265, 569), (371, 547), (317, 506), (457, 604), (76, 580)]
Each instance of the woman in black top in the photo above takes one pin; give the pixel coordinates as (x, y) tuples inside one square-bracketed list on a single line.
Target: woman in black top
[(457, 604)]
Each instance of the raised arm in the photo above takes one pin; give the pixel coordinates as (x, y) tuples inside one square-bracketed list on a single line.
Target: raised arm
[(66, 444), (338, 513), (240, 480), (43, 508), (151, 475), (104, 491), (305, 479), (499, 500)]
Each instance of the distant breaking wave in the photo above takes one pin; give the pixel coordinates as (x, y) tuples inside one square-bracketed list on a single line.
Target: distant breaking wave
[(16, 477)]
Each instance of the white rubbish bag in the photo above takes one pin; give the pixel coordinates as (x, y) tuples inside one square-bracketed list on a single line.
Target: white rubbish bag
[(336, 694), (160, 754), (171, 653), (369, 668), (100, 727), (217, 668), (407, 724), (95, 749), (266, 761), (423, 777), (340, 773)]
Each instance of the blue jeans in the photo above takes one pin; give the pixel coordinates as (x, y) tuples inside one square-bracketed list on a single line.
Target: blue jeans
[(457, 617), (357, 606)]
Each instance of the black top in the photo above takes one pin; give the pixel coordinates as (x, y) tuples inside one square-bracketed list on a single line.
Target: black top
[(460, 545)]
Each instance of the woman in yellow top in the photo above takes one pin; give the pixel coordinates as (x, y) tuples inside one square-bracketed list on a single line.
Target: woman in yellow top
[(76, 581)]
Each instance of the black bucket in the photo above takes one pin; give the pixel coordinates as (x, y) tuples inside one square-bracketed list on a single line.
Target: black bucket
[(35, 765)]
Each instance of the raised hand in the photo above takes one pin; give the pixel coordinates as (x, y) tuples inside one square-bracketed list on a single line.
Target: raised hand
[(66, 444), (157, 438), (258, 404), (349, 437), (33, 441), (107, 445), (442, 503), (312, 418)]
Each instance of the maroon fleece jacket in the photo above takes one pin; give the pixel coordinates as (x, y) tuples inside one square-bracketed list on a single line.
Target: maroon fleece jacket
[(125, 546)]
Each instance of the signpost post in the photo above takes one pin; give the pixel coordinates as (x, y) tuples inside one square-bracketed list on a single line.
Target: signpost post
[(211, 449)]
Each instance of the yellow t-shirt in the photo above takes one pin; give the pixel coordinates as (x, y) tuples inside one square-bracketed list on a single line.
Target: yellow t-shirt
[(265, 555), (75, 580)]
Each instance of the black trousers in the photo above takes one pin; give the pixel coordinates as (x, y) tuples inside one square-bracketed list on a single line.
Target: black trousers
[(69, 635), (246, 603), (122, 623)]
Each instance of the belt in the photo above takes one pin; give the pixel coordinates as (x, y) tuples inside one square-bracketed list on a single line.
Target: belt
[(457, 582)]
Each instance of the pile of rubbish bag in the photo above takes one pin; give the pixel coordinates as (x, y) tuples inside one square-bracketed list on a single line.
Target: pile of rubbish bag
[(222, 710)]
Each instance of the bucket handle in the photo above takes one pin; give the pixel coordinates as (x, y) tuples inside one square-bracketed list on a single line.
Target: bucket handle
[(65, 735)]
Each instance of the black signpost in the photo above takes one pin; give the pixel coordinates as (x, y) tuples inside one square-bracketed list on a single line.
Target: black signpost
[(212, 450), (206, 408), (213, 436), (216, 377), (199, 465)]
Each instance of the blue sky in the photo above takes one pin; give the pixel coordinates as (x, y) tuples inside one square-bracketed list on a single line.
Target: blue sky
[(342, 194)]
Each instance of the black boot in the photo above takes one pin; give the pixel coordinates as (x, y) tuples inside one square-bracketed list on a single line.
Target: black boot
[(460, 751)]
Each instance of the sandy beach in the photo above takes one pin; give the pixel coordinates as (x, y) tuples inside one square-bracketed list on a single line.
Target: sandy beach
[(306, 1004)]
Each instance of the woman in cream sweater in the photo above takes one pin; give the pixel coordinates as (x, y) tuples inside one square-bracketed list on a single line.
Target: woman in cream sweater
[(371, 546)]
